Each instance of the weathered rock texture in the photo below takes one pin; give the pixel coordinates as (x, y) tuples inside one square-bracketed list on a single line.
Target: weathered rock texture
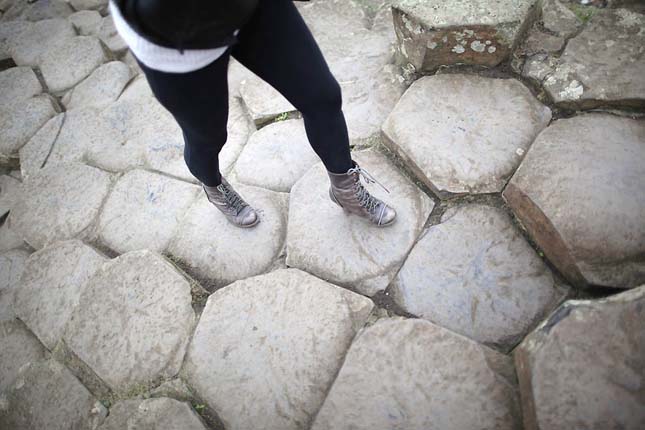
[(579, 192), (464, 134), (584, 366), (413, 375), (101, 88), (346, 249), (475, 274), (18, 83), (157, 414), (19, 347), (20, 121), (28, 48), (146, 318), (433, 33), (263, 357), (12, 264)]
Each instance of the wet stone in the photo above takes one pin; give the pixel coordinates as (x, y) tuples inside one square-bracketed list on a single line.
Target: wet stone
[(592, 351), (71, 62), (18, 83), (143, 211), (35, 41), (414, 375), (294, 349), (19, 347), (101, 88), (579, 194), (473, 135), (276, 156), (347, 249), (436, 33), (51, 285), (20, 121), (158, 414), (476, 275), (218, 252), (145, 309), (60, 202), (46, 395)]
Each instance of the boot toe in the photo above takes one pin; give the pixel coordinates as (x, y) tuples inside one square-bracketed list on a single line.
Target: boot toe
[(388, 216), (249, 217)]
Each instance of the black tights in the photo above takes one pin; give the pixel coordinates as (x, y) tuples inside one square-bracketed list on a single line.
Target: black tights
[(276, 45)]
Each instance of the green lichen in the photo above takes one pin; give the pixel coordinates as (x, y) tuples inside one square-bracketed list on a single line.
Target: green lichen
[(584, 13)]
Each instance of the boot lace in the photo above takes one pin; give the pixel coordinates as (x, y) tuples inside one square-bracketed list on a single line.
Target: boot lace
[(365, 199), (233, 198)]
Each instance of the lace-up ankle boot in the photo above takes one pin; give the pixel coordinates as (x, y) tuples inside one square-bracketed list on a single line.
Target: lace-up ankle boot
[(229, 202), (348, 192)]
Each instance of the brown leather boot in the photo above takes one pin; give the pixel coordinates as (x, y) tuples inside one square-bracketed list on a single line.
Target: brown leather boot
[(347, 192), (229, 202)]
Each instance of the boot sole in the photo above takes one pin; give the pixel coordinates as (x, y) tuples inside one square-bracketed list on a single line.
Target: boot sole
[(333, 199)]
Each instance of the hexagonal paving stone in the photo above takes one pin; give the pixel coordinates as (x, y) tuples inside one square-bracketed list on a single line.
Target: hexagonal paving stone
[(158, 414), (433, 33), (35, 152), (9, 193), (18, 83), (346, 249), (476, 275), (109, 36), (86, 22), (101, 88), (12, 264), (472, 134), (603, 64), (39, 10), (71, 62), (143, 211), (276, 156), (20, 121), (46, 395), (263, 102), (38, 39), (19, 347), (134, 306), (271, 368), (218, 252), (51, 285), (579, 192), (591, 352), (60, 202), (9, 33), (413, 375)]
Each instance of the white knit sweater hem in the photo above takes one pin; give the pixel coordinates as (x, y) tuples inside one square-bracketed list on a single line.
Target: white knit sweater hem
[(159, 57)]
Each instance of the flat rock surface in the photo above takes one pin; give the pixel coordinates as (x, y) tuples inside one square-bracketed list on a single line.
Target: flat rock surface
[(348, 250), (143, 211), (102, 87), (50, 288), (46, 395), (20, 121), (276, 156), (12, 264), (413, 375), (271, 368), (471, 137), (18, 83), (590, 351), (71, 62), (60, 202), (475, 274), (35, 153), (36, 40), (145, 308), (218, 252), (580, 194), (9, 193), (158, 414), (86, 22), (19, 347)]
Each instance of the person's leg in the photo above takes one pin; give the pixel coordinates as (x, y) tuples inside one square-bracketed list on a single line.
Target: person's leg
[(277, 45), (198, 100)]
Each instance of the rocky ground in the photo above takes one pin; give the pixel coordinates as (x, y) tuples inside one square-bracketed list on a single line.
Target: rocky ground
[(509, 294)]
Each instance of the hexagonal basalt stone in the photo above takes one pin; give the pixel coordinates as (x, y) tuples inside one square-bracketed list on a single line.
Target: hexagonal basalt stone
[(35, 152), (158, 414), (133, 321), (60, 202), (71, 62), (603, 65), (464, 134), (46, 395), (110, 37), (86, 22), (12, 264), (579, 193), (218, 252), (143, 211), (20, 121), (38, 39), (584, 366), (276, 156), (271, 368), (19, 347), (433, 33), (18, 83), (9, 33), (476, 275), (101, 88), (346, 249), (51, 285), (39, 10), (413, 375)]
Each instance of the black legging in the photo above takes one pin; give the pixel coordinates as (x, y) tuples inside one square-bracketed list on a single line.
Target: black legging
[(276, 45)]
